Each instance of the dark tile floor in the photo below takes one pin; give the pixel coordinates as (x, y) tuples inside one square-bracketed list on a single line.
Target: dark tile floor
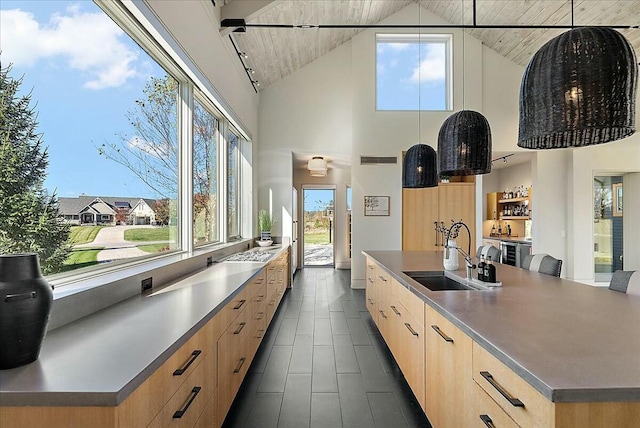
[(323, 363)]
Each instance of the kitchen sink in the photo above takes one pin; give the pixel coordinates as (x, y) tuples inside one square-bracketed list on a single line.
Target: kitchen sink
[(436, 281)]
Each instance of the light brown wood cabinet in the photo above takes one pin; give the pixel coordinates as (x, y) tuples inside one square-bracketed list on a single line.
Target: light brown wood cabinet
[(399, 316), (421, 208), (448, 372)]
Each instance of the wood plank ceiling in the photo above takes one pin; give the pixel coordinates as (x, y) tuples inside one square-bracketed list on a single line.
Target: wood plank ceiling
[(277, 52)]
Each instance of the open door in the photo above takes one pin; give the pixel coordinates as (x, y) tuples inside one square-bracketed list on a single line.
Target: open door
[(318, 227)]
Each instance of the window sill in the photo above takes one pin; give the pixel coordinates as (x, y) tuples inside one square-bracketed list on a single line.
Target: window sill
[(80, 295)]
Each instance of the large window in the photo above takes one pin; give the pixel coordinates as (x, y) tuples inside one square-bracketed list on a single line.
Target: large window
[(106, 115), (413, 72), (108, 110), (233, 185), (205, 175)]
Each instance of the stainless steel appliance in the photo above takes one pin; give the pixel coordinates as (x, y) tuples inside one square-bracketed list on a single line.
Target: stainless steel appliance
[(508, 251), (514, 252)]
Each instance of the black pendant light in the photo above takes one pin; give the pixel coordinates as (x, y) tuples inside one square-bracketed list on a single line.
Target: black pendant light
[(464, 144), (419, 167), (579, 89)]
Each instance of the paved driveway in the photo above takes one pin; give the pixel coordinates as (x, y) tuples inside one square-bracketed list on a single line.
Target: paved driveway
[(115, 246)]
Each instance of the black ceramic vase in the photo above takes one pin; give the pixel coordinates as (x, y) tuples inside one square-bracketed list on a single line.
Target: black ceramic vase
[(25, 305)]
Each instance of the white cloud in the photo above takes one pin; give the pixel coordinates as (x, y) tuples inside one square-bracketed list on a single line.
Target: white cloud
[(432, 68), (399, 46), (88, 42), (153, 149)]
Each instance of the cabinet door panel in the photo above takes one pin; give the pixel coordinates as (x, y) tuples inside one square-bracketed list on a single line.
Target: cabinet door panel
[(456, 202), (448, 376), (419, 212)]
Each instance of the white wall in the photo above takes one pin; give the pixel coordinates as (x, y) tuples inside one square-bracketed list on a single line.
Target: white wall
[(631, 214), (308, 111)]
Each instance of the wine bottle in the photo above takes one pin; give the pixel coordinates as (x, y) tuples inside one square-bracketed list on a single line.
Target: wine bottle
[(490, 271), (481, 266)]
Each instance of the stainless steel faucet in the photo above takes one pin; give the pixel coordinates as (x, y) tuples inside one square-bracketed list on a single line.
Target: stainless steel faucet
[(452, 233)]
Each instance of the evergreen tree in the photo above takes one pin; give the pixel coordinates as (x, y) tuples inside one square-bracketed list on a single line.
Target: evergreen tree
[(28, 214)]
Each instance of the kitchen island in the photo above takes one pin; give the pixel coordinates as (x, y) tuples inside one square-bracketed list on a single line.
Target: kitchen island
[(574, 348)]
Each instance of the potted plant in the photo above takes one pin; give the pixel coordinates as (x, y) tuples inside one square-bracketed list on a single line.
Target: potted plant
[(265, 223)]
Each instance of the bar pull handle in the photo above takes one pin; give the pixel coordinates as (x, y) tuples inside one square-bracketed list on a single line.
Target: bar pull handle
[(393, 308), (239, 305), (370, 302), (442, 227), (239, 367), (194, 392), (382, 278), (371, 267), (260, 299), (514, 401), (383, 315), (239, 329), (371, 280), (21, 296), (260, 315), (435, 227), (444, 336), (487, 421), (184, 368), (415, 333)]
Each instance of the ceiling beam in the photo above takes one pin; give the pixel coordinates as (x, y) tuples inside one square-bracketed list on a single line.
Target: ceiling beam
[(245, 9)]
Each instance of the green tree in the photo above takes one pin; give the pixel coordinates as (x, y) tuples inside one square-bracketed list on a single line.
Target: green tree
[(153, 155), (29, 216)]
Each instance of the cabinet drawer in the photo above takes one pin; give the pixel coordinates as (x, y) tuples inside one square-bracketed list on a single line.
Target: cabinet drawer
[(232, 309), (233, 360), (520, 400), (412, 303), (146, 401), (486, 413), (186, 405), (208, 417)]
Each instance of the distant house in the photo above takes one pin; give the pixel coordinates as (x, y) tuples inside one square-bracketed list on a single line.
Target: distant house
[(106, 210)]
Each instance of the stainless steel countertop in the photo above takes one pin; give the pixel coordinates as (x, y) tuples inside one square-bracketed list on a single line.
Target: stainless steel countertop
[(101, 359), (570, 341)]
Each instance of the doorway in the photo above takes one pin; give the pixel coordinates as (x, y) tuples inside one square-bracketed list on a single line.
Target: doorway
[(318, 236), (607, 226)]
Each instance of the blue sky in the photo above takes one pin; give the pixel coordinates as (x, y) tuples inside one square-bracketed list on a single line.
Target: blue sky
[(84, 73), (403, 67)]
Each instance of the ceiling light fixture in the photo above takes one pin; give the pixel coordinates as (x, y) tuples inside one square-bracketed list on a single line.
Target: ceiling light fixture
[(420, 164), (420, 167), (578, 90), (317, 166), (464, 139)]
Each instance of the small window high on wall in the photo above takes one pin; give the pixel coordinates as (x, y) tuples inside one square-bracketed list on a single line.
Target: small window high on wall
[(413, 72)]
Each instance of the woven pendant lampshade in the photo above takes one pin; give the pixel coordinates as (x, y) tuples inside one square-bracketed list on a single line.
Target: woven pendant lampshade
[(579, 89), (420, 168), (464, 144)]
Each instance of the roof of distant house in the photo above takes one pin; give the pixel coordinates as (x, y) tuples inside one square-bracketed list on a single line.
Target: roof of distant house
[(76, 205)]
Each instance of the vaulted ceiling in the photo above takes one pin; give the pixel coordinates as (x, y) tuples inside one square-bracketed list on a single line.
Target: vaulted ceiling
[(273, 53)]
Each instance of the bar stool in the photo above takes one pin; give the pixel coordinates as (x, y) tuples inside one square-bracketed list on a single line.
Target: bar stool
[(542, 263), (626, 282)]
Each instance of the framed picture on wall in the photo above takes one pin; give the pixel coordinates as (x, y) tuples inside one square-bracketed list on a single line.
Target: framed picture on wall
[(376, 205), (617, 199)]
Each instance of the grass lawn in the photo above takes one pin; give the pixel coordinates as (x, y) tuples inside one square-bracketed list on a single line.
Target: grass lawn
[(147, 234), (316, 237), (81, 258), (152, 248), (83, 234)]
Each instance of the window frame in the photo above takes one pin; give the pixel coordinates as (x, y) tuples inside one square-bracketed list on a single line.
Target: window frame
[(239, 183), (444, 38)]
